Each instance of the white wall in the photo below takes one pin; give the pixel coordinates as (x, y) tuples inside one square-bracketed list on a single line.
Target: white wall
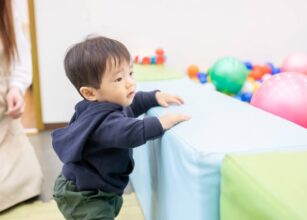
[(191, 31)]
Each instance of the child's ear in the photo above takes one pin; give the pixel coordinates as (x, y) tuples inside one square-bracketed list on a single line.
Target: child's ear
[(88, 93)]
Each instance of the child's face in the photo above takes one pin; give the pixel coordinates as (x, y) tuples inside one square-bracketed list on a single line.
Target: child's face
[(118, 85)]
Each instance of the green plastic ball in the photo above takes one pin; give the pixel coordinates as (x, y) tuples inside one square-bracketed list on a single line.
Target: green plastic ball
[(228, 74)]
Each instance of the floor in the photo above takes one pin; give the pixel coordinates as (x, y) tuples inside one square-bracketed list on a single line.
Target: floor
[(38, 210), (44, 207)]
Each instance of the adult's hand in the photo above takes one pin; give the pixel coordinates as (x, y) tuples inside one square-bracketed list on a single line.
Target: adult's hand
[(15, 103)]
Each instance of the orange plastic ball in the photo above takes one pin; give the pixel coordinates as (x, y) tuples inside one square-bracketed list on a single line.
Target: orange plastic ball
[(192, 71), (266, 69), (257, 72)]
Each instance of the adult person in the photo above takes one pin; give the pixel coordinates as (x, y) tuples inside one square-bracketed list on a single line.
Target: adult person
[(20, 172)]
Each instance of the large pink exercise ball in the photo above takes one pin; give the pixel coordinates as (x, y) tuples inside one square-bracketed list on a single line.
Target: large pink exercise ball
[(296, 62), (284, 95)]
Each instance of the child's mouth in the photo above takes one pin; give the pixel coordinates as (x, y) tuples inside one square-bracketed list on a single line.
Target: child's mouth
[(131, 94)]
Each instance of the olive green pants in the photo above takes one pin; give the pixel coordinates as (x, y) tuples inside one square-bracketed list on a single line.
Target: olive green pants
[(85, 205)]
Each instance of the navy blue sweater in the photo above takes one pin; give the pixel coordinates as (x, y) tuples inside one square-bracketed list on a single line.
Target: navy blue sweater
[(96, 146)]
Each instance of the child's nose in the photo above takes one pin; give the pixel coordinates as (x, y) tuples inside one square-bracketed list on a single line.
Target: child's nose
[(130, 82)]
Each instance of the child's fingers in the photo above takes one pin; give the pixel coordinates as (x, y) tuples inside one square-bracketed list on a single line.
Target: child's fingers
[(163, 103), (177, 100), (185, 117), (182, 117)]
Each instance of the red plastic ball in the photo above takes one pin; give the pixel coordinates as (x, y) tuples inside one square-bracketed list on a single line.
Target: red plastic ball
[(146, 60), (136, 59), (160, 59), (159, 52)]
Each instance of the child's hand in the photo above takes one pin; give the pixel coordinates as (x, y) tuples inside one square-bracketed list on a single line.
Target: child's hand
[(168, 121), (164, 99)]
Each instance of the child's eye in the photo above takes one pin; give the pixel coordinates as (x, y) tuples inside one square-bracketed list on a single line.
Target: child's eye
[(118, 79), (131, 73)]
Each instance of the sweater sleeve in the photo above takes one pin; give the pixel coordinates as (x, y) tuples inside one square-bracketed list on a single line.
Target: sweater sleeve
[(120, 131), (143, 101), (21, 75)]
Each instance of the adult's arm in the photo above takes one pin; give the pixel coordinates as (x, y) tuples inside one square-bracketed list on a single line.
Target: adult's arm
[(21, 70)]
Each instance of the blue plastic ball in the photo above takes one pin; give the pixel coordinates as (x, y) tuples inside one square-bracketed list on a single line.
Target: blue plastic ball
[(275, 71), (246, 96), (248, 65), (271, 65), (153, 60), (259, 80), (202, 77), (238, 96)]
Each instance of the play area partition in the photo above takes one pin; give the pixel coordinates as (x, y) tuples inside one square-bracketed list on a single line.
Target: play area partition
[(178, 176)]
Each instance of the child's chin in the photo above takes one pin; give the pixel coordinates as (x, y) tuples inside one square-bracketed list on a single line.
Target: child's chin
[(127, 103)]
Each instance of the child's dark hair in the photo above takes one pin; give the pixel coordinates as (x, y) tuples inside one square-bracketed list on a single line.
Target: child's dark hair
[(87, 61)]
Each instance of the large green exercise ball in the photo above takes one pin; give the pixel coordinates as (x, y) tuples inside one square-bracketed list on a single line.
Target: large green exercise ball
[(228, 74)]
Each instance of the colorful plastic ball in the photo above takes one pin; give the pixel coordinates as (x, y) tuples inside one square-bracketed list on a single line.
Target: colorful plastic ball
[(160, 59), (257, 72), (250, 79), (146, 60), (266, 77), (136, 59), (296, 62), (202, 77), (159, 52), (266, 69), (259, 81), (192, 71), (246, 96), (248, 65), (271, 65), (248, 87), (256, 85), (275, 71), (209, 78), (153, 60), (228, 75), (284, 95)]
